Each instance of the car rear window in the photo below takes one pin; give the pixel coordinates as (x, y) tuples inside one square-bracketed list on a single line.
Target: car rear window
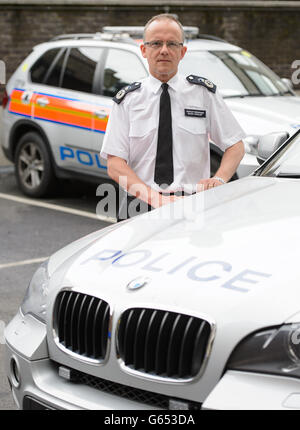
[(121, 69), (80, 69), (43, 65)]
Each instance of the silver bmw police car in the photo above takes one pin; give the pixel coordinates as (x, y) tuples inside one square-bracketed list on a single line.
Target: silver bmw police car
[(193, 305), (57, 102)]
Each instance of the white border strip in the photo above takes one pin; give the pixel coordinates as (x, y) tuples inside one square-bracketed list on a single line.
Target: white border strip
[(57, 208), (23, 263)]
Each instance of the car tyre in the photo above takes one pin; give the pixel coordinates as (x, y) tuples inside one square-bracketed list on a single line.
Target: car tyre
[(33, 167)]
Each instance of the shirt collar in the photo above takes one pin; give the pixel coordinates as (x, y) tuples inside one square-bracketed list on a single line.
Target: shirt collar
[(155, 84)]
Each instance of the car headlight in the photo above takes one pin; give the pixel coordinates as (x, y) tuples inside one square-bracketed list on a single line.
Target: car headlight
[(35, 298), (274, 351)]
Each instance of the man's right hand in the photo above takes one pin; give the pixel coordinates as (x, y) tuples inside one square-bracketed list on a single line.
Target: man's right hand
[(159, 200)]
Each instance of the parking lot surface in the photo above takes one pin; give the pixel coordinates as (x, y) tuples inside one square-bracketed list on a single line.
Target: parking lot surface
[(29, 234)]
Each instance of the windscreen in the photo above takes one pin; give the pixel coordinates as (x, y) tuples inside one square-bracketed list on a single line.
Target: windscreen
[(236, 73)]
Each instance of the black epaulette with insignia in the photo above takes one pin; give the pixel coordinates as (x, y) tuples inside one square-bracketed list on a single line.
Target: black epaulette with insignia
[(198, 80), (122, 93)]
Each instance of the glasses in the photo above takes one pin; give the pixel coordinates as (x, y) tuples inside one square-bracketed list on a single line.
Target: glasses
[(158, 44)]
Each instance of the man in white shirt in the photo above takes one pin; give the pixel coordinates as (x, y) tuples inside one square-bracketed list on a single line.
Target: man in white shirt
[(157, 138)]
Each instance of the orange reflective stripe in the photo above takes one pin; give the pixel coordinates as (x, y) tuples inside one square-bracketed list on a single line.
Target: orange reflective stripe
[(18, 106), (60, 110), (65, 111)]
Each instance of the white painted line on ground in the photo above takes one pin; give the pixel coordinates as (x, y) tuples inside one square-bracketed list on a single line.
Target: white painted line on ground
[(23, 263), (54, 207)]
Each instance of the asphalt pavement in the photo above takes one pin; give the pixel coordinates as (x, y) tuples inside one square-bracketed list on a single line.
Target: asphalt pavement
[(29, 234)]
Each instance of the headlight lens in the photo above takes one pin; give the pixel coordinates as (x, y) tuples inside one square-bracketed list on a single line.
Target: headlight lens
[(35, 298), (275, 350)]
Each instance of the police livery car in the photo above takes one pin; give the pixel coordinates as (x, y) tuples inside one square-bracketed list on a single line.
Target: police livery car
[(195, 305), (58, 101)]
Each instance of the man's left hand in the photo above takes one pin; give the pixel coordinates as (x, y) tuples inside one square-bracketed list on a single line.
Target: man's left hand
[(207, 184)]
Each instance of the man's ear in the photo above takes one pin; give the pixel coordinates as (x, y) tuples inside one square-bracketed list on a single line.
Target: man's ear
[(183, 51), (143, 50)]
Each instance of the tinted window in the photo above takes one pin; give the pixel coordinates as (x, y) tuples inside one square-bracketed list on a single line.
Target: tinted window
[(53, 75), (42, 65), (235, 73), (80, 69), (121, 68)]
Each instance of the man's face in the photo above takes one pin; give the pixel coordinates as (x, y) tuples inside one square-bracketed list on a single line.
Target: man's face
[(163, 62)]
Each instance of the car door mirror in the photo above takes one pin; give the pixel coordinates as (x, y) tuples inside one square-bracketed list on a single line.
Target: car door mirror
[(268, 144), (288, 83)]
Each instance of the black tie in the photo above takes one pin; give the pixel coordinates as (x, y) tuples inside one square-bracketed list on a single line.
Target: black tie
[(164, 173)]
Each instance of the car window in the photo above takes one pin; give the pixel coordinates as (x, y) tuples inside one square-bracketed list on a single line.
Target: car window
[(43, 64), (236, 74), (121, 68), (80, 69), (53, 75)]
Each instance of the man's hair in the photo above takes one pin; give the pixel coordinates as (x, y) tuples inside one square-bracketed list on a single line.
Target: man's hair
[(161, 17)]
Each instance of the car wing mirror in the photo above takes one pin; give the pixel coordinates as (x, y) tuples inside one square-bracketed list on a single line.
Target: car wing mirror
[(268, 144), (289, 84)]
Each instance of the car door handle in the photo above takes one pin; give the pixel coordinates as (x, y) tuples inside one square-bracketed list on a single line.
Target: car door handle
[(100, 114), (42, 101)]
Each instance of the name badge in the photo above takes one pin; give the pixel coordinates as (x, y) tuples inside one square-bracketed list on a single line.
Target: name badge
[(195, 112)]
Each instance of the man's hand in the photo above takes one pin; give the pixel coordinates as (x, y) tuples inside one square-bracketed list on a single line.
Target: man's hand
[(229, 163), (120, 172), (207, 184), (159, 200)]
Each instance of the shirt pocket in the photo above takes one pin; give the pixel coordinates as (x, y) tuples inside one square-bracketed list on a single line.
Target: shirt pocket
[(140, 128), (142, 134), (192, 125)]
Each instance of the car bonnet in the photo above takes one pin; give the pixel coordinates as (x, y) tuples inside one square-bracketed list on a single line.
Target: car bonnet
[(231, 258)]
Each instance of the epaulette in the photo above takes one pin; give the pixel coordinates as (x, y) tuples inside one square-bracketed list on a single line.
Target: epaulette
[(198, 80), (122, 93)]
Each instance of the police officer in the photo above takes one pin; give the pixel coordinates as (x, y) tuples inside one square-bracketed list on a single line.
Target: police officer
[(157, 138)]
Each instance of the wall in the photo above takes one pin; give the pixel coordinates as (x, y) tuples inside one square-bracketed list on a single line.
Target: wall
[(268, 29)]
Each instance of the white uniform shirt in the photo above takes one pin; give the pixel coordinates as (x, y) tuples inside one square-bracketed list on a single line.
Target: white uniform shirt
[(132, 131)]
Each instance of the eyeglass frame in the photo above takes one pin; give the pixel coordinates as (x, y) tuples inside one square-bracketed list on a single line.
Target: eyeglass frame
[(175, 44)]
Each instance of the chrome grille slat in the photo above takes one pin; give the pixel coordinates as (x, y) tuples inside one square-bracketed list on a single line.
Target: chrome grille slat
[(128, 335), (67, 315), (97, 347), (73, 317), (104, 328), (161, 346), (60, 313), (88, 328), (172, 358), (80, 325), (150, 347)]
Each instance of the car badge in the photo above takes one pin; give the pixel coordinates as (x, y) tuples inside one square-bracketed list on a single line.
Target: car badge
[(138, 283)]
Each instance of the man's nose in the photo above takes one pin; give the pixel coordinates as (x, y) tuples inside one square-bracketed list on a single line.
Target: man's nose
[(164, 49)]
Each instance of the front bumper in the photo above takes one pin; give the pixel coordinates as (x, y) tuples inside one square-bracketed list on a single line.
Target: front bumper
[(39, 380), (34, 377)]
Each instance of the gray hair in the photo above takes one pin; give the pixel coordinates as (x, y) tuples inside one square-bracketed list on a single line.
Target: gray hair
[(161, 17)]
